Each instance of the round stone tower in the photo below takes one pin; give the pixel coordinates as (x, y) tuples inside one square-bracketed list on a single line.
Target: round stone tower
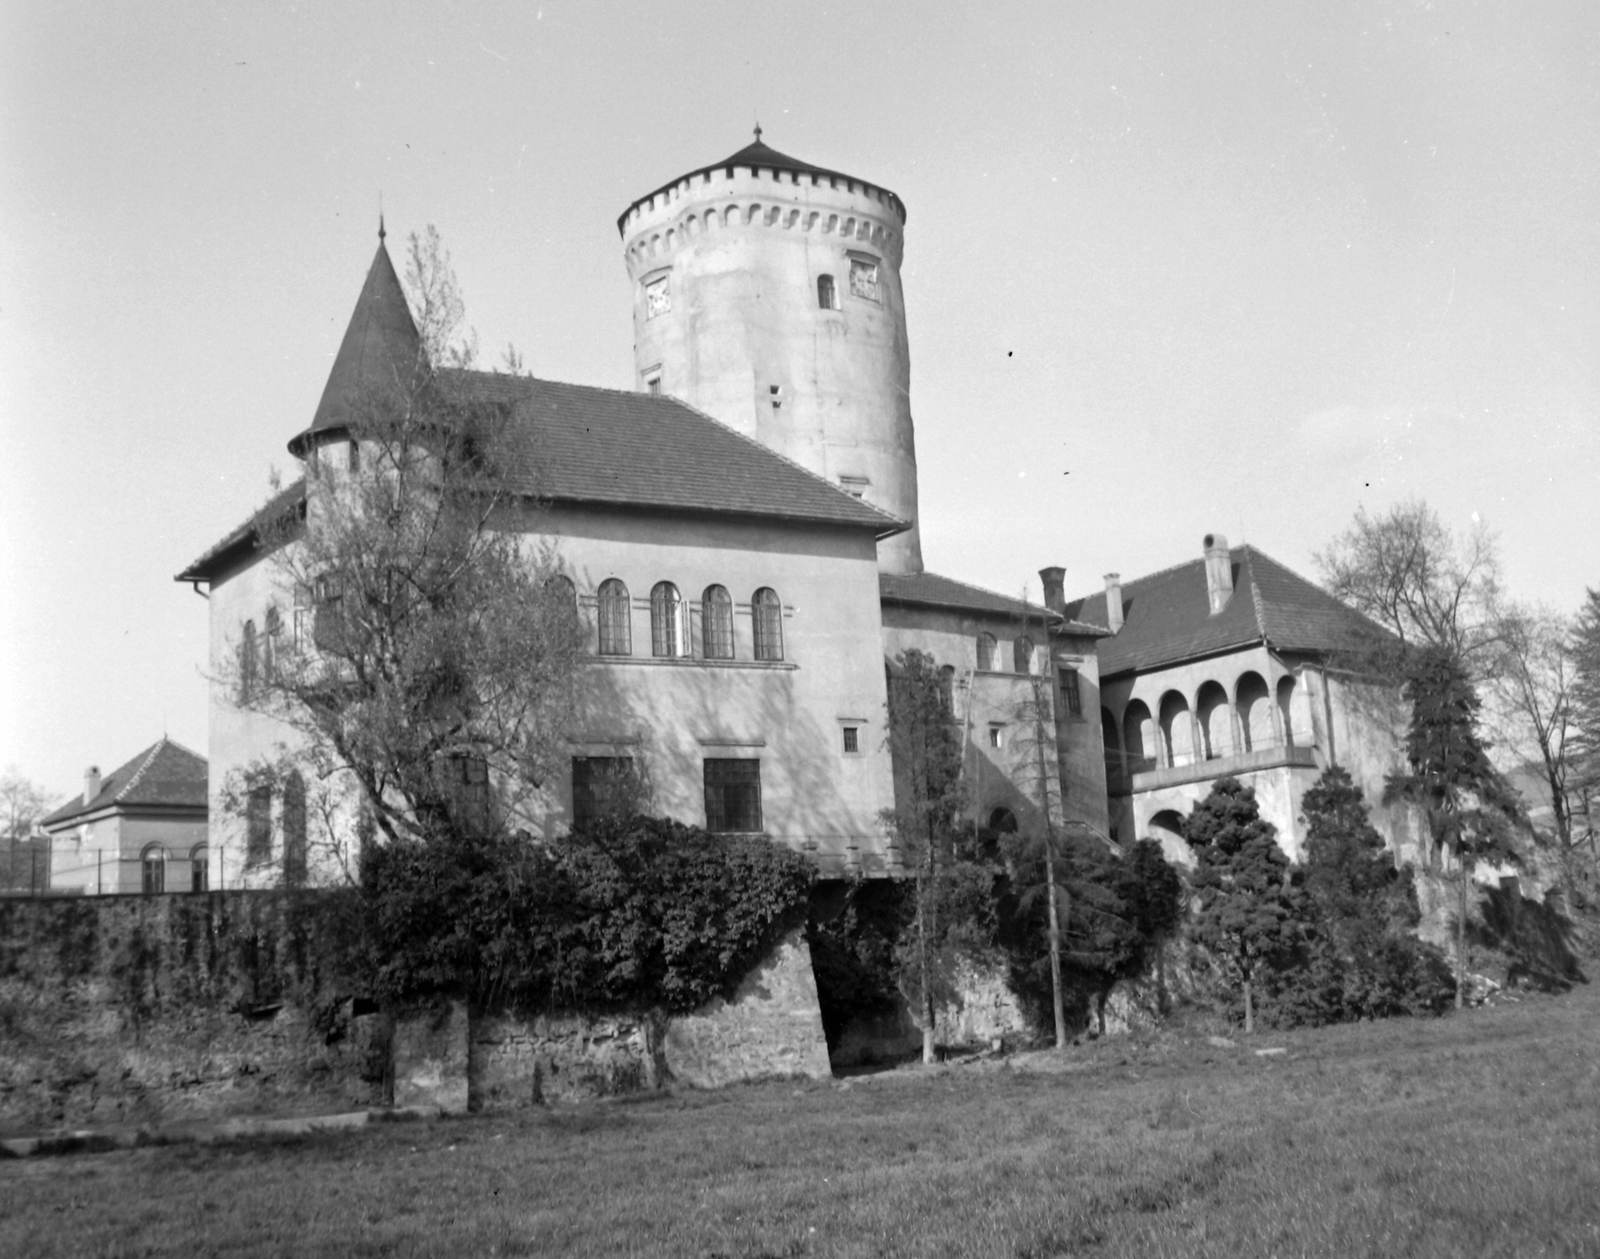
[(767, 294)]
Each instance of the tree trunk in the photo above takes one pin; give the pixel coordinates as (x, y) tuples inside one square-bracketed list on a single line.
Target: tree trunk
[(1055, 951), (1249, 1011), (1461, 939), (928, 1053)]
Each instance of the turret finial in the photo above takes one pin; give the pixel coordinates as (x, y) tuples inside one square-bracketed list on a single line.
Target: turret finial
[(758, 131), (381, 232)]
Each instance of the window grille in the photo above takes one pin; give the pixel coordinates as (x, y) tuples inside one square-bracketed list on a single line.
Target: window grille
[(1071, 692), (827, 293), (258, 825), (269, 644), (666, 620), (601, 786), (1022, 654), (733, 794), (294, 831), (986, 646), (199, 868), (766, 613), (616, 630), (247, 661), (852, 740), (154, 869), (716, 623)]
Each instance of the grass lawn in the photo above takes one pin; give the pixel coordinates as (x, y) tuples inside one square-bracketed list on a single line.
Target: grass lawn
[(1472, 1135)]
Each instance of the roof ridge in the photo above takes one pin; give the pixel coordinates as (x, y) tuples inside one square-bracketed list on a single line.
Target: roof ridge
[(1256, 599), (983, 590), (133, 778)]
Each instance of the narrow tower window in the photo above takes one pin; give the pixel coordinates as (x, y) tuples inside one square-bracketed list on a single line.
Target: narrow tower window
[(827, 293)]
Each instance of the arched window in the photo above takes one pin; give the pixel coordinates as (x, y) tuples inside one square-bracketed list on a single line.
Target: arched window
[(153, 865), (270, 642), (947, 689), (247, 661), (562, 601), (986, 652), (294, 831), (616, 628), (199, 868), (766, 614), (666, 621), (716, 623), (1022, 654), (827, 293)]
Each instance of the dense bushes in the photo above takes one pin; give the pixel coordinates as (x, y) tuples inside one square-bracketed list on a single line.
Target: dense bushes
[(637, 913)]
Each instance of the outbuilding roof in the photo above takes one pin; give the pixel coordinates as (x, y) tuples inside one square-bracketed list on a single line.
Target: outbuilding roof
[(165, 776), (933, 591), (760, 156), (1167, 615)]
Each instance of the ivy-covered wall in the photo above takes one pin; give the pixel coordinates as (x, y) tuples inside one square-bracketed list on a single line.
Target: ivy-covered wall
[(125, 1009)]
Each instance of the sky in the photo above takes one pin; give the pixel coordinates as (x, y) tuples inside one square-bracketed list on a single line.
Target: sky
[(1170, 269)]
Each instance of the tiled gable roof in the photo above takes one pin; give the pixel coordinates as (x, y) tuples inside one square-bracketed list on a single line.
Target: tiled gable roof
[(165, 775), (1167, 615), (933, 591), (580, 444), (242, 540)]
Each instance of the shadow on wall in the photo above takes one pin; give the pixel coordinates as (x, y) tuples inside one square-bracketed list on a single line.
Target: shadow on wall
[(1536, 937)]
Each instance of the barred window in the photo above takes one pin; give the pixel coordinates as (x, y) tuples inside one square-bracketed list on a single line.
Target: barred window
[(247, 661), (153, 865), (294, 831), (616, 629), (258, 825), (766, 612), (1071, 692), (986, 651), (1022, 654), (716, 623), (199, 868), (666, 620), (603, 786), (269, 644), (733, 794)]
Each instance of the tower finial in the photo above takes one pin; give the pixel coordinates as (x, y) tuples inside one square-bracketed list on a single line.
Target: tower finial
[(381, 232), (758, 131)]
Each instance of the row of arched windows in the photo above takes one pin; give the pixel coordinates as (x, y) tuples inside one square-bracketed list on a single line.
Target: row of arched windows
[(1021, 653), (671, 625), (1254, 720), (153, 869)]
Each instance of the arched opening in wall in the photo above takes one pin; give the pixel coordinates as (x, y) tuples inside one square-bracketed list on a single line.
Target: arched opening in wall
[(153, 870), (1216, 724), (1002, 821), (986, 646), (1166, 828), (616, 630), (1255, 712), (1022, 654), (1137, 742), (1177, 730), (667, 616), (199, 868), (1294, 711), (294, 830)]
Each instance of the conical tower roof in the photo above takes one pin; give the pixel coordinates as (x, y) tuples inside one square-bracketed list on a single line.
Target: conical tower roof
[(758, 155), (379, 360)]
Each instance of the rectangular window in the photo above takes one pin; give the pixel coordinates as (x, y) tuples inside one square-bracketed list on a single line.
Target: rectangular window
[(654, 386), (601, 786), (467, 787), (995, 737), (864, 279), (733, 794), (1071, 693), (258, 825), (852, 740), (657, 297)]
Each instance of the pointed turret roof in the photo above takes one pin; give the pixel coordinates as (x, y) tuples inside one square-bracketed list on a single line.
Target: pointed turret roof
[(379, 359), (758, 155)]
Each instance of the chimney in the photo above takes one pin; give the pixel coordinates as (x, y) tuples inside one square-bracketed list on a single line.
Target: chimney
[(1055, 597), (1114, 601), (91, 783), (1219, 572)]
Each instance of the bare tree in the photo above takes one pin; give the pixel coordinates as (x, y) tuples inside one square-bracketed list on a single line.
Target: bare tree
[(1418, 579), (22, 804)]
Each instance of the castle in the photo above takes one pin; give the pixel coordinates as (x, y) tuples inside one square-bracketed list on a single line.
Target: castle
[(742, 533)]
